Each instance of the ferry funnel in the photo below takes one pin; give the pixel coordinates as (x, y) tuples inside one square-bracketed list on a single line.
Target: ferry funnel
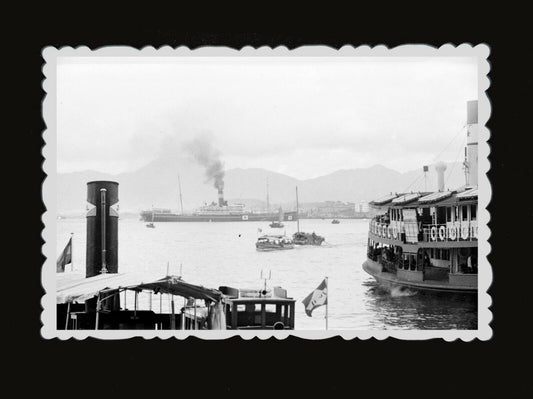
[(440, 167), (471, 143), (221, 201), (102, 228)]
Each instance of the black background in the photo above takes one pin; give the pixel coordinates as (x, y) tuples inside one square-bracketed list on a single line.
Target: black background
[(372, 368)]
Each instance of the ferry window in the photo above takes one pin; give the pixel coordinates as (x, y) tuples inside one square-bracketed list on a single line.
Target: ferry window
[(271, 308), (441, 215), (473, 212), (464, 213), (445, 254), (448, 214)]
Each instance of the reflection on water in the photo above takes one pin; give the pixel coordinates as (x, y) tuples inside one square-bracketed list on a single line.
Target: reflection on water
[(401, 308), (215, 254)]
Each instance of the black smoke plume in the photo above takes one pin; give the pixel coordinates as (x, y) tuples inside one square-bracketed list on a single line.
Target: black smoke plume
[(209, 157)]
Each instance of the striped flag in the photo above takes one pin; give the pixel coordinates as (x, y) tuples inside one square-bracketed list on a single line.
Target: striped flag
[(316, 298), (65, 258)]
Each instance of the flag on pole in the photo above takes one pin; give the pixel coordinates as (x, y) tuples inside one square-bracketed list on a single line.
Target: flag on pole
[(65, 258), (316, 298)]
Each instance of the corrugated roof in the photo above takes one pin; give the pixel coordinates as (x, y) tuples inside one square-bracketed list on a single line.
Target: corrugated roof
[(404, 199), (385, 199), (436, 196), (472, 193)]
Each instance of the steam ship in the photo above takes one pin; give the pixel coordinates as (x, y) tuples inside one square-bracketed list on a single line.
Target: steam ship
[(215, 212), (428, 240)]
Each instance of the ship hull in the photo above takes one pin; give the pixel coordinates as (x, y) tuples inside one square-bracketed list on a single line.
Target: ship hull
[(274, 248), (392, 280), (172, 217)]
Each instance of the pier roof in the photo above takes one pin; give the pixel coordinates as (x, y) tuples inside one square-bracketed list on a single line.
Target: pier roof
[(79, 289)]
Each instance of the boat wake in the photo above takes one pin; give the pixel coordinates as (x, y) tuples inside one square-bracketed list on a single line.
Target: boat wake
[(398, 292)]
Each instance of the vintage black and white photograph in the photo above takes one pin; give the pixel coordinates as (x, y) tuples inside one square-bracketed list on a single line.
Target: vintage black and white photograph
[(266, 192)]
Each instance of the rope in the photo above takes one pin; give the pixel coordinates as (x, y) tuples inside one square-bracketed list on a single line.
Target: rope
[(414, 181), (455, 162), (437, 157), (449, 143)]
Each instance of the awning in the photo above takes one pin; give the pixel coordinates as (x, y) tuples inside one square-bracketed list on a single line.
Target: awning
[(384, 200), (81, 289), (468, 194), (434, 197), (406, 198), (176, 286)]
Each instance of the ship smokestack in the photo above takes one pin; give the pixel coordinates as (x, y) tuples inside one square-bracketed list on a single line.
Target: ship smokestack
[(102, 228), (440, 167), (221, 201), (471, 143)]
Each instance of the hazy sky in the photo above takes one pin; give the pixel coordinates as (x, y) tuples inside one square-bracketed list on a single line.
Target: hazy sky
[(304, 117)]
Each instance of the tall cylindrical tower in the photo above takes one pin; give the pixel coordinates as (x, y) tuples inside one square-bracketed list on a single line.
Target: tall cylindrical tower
[(440, 167), (471, 142), (102, 228)]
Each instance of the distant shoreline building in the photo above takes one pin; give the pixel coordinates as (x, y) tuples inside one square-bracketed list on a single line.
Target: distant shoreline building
[(335, 210)]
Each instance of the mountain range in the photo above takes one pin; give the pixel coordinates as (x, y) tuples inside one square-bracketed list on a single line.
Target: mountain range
[(156, 184)]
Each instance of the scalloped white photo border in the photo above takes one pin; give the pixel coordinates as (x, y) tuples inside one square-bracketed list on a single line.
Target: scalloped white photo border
[(48, 273)]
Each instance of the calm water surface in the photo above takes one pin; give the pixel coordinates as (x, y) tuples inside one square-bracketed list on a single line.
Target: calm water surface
[(215, 254)]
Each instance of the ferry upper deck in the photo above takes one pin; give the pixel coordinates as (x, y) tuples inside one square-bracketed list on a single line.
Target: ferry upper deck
[(438, 219)]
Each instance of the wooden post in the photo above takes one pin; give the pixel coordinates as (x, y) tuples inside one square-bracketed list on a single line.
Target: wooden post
[(195, 319), (68, 315), (135, 305), (173, 315), (97, 312)]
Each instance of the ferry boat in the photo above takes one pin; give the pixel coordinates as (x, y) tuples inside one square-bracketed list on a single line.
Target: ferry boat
[(428, 240), (273, 243)]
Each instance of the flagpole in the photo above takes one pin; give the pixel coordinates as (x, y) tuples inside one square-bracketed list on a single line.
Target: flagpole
[(327, 301), (71, 252)]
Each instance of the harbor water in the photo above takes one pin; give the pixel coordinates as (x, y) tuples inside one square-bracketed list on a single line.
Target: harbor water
[(224, 254)]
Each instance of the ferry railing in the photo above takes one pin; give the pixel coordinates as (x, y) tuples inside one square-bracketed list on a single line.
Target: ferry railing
[(385, 229), (449, 233), (427, 232)]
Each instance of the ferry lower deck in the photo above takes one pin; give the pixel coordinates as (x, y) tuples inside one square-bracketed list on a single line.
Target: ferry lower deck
[(458, 283)]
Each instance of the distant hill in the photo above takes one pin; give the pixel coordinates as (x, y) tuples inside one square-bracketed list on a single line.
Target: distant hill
[(157, 184)]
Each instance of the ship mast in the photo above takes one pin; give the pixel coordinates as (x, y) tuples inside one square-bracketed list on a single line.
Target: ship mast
[(297, 212), (268, 199), (181, 199)]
